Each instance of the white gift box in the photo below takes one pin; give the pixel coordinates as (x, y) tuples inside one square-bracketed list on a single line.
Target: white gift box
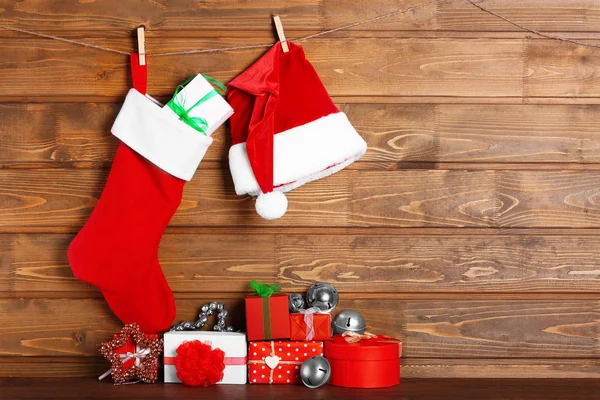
[(233, 345), (214, 110)]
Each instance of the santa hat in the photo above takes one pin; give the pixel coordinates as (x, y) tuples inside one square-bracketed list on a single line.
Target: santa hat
[(286, 131)]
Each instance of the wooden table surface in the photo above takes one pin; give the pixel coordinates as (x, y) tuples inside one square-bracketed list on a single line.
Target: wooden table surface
[(409, 389)]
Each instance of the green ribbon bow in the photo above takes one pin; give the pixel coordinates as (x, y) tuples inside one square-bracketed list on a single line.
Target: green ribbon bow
[(198, 123), (264, 289)]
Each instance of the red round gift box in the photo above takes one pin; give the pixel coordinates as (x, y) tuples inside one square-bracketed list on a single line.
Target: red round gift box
[(368, 363)]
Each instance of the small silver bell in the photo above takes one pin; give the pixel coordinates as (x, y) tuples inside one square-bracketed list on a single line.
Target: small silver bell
[(295, 302), (349, 320), (315, 372), (323, 296)]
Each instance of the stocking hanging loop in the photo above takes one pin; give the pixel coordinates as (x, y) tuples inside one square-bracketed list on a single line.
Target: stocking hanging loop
[(139, 73)]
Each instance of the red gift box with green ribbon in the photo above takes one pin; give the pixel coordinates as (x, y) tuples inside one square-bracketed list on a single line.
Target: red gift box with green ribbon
[(267, 313)]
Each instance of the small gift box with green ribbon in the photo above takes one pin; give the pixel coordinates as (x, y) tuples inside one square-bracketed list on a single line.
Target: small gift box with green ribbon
[(198, 104), (267, 313)]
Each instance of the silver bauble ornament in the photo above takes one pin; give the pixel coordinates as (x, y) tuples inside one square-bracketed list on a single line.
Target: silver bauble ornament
[(323, 296), (349, 320), (296, 302), (315, 372)]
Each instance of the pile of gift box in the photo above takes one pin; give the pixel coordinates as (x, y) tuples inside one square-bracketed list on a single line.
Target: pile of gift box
[(288, 340)]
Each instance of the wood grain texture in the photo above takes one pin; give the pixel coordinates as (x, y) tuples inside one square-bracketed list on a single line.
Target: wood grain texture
[(405, 198), (438, 264), (398, 135), (559, 69), (430, 329), (395, 67), (218, 263), (478, 198), (546, 16), (114, 17), (192, 263)]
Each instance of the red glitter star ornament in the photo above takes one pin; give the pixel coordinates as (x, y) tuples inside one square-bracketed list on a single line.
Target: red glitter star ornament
[(133, 355)]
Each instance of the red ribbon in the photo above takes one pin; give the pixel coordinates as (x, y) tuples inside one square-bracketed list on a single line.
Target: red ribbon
[(227, 361)]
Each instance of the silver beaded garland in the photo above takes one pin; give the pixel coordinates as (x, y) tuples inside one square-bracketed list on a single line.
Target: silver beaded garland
[(323, 296), (206, 311), (315, 372)]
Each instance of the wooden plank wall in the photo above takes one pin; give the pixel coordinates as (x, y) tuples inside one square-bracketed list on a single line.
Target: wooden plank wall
[(469, 229)]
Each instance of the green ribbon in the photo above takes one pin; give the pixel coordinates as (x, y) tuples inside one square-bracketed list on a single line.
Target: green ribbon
[(198, 123), (264, 289)]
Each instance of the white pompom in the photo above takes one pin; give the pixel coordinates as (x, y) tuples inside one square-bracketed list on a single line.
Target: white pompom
[(271, 205)]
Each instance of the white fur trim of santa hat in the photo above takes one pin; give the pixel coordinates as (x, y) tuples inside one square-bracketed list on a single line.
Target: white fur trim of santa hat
[(302, 154), (159, 136)]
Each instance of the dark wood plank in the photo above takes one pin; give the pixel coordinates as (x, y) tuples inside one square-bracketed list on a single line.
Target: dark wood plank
[(77, 134), (430, 328), (57, 133), (217, 263), (522, 134), (371, 264), (395, 67), (405, 198), (113, 17), (546, 16), (476, 198), (66, 197), (208, 263), (473, 329), (559, 69)]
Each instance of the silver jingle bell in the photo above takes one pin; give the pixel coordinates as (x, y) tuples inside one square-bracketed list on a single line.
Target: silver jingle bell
[(323, 296), (349, 320), (315, 372), (295, 302)]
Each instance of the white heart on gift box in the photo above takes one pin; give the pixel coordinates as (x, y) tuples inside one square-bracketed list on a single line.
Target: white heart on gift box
[(272, 361)]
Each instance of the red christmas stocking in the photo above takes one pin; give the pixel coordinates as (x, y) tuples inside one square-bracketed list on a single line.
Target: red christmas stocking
[(117, 249)]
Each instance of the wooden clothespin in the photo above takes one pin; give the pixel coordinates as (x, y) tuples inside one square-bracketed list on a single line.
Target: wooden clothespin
[(280, 33), (141, 44)]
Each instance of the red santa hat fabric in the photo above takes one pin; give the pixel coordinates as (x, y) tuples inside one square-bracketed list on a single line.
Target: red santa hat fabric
[(285, 131)]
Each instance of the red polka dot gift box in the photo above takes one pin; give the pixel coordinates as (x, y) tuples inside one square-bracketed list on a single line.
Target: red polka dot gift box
[(278, 362)]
